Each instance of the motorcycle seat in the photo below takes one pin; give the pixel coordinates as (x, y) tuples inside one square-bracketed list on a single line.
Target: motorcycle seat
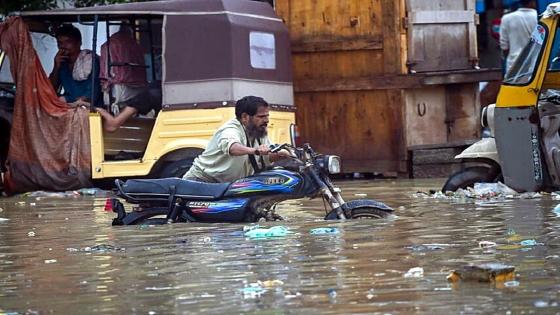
[(162, 188)]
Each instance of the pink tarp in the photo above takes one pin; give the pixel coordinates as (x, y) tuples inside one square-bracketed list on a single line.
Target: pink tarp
[(49, 144)]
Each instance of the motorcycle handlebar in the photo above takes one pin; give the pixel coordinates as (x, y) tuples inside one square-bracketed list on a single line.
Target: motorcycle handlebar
[(277, 147)]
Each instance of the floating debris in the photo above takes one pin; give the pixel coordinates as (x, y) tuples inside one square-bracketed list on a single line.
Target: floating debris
[(416, 272), (271, 283), (491, 272), (480, 191), (290, 295), (51, 194), (50, 261), (31, 234), (93, 192), (556, 210), (512, 283), (486, 244), (324, 230), (427, 247), (529, 243), (252, 291), (101, 248)]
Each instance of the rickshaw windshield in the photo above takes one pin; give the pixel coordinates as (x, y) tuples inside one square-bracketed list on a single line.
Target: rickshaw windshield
[(5, 74), (523, 69), (46, 48)]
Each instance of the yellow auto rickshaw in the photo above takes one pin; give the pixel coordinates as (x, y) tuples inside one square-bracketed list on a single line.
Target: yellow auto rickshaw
[(201, 56), (523, 150)]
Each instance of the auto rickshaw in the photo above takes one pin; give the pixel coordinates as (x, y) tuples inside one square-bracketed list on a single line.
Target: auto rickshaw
[(524, 148), (201, 56)]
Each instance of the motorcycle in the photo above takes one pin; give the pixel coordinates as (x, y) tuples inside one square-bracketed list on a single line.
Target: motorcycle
[(249, 199)]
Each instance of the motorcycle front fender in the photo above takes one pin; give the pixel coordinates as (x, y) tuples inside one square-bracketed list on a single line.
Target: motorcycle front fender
[(376, 208), (485, 148)]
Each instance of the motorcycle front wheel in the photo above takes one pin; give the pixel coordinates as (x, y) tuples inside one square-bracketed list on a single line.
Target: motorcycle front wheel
[(363, 209)]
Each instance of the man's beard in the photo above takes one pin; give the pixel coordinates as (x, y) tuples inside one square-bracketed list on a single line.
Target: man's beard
[(255, 131)]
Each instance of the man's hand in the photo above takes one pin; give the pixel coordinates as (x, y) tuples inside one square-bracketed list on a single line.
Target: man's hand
[(79, 102), (262, 149), (280, 155), (60, 57)]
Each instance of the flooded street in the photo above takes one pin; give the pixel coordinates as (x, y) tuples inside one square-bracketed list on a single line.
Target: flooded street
[(62, 256)]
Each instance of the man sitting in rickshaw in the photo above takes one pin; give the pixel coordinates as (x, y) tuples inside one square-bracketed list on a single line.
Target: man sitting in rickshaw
[(123, 79), (73, 68)]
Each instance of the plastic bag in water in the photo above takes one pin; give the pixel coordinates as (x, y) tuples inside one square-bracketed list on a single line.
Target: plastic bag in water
[(489, 190), (275, 231), (324, 230)]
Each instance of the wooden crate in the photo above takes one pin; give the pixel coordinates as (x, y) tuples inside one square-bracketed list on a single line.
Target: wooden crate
[(363, 70)]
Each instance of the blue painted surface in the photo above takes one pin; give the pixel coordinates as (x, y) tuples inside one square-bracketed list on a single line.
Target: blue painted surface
[(480, 6)]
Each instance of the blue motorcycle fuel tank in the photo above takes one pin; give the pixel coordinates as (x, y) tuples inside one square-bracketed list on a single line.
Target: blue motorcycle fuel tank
[(267, 183)]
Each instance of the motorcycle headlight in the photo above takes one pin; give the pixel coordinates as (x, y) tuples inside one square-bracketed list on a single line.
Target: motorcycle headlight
[(333, 164)]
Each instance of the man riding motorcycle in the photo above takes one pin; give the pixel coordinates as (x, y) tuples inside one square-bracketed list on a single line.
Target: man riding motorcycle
[(224, 159)]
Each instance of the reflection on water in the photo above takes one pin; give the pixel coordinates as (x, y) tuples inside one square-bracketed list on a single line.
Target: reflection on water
[(62, 256)]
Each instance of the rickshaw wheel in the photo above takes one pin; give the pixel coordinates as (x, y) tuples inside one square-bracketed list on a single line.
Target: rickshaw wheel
[(176, 168), (469, 176)]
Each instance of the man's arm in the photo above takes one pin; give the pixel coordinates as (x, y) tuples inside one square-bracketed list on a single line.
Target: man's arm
[(504, 37), (237, 149)]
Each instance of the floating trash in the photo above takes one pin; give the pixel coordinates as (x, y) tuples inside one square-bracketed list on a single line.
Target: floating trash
[(556, 210), (291, 295), (324, 230), (491, 272), (276, 231), (486, 244), (481, 191), (416, 272), (93, 192), (50, 261), (271, 283), (427, 247), (101, 248), (510, 284), (51, 194), (31, 234), (529, 243), (254, 290), (541, 304)]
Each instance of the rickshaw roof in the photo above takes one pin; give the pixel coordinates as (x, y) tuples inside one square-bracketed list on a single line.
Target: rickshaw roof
[(169, 7)]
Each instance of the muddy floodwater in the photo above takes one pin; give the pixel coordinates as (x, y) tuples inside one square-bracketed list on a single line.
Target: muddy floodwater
[(62, 256)]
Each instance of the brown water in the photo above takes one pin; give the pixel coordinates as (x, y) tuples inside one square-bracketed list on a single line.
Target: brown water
[(62, 256)]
